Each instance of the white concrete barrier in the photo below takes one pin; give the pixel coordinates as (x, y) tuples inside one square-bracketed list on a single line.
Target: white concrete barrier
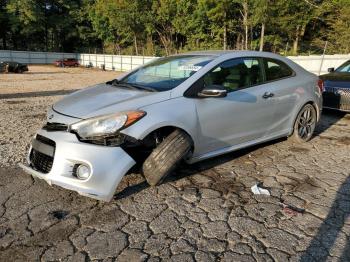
[(111, 62), (311, 63)]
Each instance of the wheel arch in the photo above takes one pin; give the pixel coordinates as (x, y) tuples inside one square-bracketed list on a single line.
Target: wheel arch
[(166, 130), (318, 110), (310, 102)]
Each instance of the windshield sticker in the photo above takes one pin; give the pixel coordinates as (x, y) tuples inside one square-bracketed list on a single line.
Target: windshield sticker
[(189, 68)]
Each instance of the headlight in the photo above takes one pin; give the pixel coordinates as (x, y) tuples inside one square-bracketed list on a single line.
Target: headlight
[(105, 126)]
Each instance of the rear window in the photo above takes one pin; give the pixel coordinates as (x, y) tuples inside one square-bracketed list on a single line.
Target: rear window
[(276, 69)]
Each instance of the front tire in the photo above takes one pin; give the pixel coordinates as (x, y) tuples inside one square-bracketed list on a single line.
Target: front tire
[(165, 157), (305, 124)]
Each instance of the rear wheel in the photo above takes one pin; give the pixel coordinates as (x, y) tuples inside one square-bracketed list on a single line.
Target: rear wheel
[(165, 157), (305, 124)]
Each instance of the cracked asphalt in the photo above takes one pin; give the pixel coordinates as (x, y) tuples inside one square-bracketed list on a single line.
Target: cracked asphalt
[(203, 212)]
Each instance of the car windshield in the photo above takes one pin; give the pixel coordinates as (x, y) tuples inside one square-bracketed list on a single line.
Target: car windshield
[(166, 73), (344, 68)]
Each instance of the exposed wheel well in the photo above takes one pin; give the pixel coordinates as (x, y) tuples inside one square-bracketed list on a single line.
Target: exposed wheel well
[(141, 149)]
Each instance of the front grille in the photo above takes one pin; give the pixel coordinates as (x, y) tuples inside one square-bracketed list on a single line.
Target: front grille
[(45, 140), (55, 127), (337, 97), (39, 161)]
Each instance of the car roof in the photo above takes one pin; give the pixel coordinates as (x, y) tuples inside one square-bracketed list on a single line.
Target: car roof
[(231, 52)]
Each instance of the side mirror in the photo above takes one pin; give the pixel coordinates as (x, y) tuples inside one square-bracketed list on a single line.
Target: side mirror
[(213, 91), (331, 69)]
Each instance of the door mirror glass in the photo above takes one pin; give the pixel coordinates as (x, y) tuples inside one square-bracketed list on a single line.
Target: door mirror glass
[(331, 69), (213, 91)]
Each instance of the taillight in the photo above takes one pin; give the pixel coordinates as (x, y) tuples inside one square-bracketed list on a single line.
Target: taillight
[(320, 84)]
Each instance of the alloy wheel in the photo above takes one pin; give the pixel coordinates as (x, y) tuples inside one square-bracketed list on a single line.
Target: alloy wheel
[(306, 122)]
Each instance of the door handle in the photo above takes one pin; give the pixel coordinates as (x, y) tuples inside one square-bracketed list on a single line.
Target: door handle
[(267, 95)]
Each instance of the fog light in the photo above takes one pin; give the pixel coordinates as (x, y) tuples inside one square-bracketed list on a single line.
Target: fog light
[(83, 172)]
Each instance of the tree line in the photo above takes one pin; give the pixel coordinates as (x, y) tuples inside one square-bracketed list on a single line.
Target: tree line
[(164, 27)]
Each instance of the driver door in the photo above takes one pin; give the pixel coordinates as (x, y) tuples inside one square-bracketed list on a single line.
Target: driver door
[(244, 115)]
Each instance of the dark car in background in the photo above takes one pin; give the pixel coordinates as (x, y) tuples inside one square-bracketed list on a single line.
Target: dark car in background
[(67, 62), (13, 67), (336, 93)]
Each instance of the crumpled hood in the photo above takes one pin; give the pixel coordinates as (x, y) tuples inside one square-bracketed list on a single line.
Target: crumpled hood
[(106, 99)]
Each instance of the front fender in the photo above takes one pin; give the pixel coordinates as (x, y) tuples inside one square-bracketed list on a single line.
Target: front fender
[(178, 112)]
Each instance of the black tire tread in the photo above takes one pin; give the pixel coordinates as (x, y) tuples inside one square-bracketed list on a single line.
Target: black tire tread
[(166, 156)]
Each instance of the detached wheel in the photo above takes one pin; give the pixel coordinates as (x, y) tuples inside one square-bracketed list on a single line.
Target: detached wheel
[(305, 124), (165, 157)]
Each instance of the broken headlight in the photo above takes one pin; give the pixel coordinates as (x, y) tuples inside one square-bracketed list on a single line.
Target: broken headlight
[(103, 128)]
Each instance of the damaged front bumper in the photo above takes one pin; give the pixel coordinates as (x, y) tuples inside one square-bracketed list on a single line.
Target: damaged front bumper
[(55, 156)]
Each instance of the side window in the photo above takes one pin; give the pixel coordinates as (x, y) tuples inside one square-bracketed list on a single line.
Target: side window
[(235, 74), (275, 69)]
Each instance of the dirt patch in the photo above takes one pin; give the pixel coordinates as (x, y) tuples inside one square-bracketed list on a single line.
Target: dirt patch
[(309, 184), (299, 149), (15, 102), (49, 78), (328, 138), (341, 125), (39, 115), (345, 140)]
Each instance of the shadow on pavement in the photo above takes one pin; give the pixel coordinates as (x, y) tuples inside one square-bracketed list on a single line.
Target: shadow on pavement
[(328, 118), (339, 214), (37, 94), (186, 170), (130, 190)]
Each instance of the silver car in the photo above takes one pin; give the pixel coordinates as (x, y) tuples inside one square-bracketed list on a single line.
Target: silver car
[(185, 107)]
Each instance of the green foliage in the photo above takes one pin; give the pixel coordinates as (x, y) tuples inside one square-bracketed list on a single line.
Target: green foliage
[(163, 27)]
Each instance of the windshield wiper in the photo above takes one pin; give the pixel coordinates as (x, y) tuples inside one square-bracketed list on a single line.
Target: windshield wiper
[(132, 86), (147, 88)]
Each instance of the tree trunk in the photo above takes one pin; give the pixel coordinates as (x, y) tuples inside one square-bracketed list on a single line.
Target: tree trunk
[(225, 36), (164, 42), (238, 42), (116, 49), (46, 31), (245, 23), (135, 42), (4, 46), (262, 34), (251, 38), (296, 41), (295, 44)]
